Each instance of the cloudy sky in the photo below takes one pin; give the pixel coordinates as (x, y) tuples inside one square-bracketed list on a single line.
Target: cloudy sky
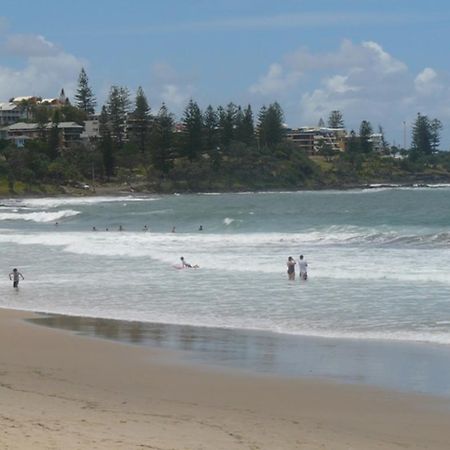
[(378, 60)]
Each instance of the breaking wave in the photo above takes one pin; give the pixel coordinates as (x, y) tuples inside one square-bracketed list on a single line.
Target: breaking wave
[(39, 217)]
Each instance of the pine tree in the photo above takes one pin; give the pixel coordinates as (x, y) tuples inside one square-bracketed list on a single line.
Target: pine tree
[(435, 128), (162, 140), (118, 105), (421, 136), (193, 126), (270, 126), (244, 127), (227, 123), (365, 133), (139, 124), (85, 99), (335, 119), (106, 144), (210, 122)]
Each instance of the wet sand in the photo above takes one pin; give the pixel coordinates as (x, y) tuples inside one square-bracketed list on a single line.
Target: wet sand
[(63, 391)]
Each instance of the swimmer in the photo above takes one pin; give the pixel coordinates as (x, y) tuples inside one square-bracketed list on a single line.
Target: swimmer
[(291, 268), (14, 276)]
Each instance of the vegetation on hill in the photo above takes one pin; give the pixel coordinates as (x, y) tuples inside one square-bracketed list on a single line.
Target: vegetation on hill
[(219, 149)]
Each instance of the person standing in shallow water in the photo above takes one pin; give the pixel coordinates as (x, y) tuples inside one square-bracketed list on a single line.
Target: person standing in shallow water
[(14, 276), (291, 268), (303, 266)]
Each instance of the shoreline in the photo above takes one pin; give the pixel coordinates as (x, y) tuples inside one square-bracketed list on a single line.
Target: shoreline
[(333, 359), (121, 190), (60, 390)]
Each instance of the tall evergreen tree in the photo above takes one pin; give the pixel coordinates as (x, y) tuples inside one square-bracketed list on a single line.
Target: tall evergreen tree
[(246, 128), (193, 127), (435, 129), (335, 119), (321, 123), (226, 123), (210, 122), (84, 97), (421, 136), (140, 121), (270, 125), (118, 106), (106, 144), (162, 140), (365, 133)]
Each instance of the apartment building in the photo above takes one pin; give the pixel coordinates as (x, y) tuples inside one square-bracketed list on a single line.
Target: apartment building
[(10, 113), (312, 139), (19, 133)]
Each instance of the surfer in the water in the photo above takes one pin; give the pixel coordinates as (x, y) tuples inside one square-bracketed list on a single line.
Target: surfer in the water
[(186, 265)]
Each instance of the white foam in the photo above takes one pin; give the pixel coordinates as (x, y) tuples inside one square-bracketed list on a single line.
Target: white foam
[(40, 217), (62, 201)]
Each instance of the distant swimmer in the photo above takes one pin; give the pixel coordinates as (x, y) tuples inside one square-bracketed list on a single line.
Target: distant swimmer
[(186, 265), (200, 228), (145, 228), (291, 268), (14, 276), (303, 266), (94, 229), (174, 229), (120, 228)]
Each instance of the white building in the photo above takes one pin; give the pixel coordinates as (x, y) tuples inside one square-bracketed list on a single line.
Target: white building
[(10, 113)]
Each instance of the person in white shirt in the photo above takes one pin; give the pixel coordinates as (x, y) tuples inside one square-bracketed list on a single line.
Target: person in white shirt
[(302, 264)]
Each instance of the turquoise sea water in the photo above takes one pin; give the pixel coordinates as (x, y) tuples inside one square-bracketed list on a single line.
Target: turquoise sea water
[(378, 260)]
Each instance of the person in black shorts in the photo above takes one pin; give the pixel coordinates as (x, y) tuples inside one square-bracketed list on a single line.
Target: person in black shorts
[(14, 276)]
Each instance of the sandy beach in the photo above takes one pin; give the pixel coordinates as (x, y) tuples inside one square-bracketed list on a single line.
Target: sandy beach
[(62, 391)]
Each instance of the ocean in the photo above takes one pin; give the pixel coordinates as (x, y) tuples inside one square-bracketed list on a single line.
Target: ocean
[(378, 260)]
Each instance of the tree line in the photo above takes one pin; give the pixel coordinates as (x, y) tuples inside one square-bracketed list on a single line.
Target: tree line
[(224, 147)]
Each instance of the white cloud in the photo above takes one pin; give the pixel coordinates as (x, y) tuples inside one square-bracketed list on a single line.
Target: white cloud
[(363, 80), (339, 84), (168, 86), (275, 81), (428, 83), (45, 68), (29, 45)]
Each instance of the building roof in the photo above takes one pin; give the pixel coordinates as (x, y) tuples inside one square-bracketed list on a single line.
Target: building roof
[(22, 126), (7, 106), (23, 98), (34, 126)]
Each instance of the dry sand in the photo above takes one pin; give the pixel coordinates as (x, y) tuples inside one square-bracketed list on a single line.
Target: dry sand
[(62, 391)]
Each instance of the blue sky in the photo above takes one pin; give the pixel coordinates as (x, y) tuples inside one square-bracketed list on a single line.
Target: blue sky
[(381, 61)]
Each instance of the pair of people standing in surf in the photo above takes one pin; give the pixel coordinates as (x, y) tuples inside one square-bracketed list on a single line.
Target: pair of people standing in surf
[(303, 266)]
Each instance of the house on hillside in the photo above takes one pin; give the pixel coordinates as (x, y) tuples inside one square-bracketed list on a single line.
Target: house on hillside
[(10, 113), (312, 139), (19, 133)]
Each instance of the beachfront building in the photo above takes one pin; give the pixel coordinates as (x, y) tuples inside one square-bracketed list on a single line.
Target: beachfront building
[(312, 139), (10, 113), (91, 130), (19, 133)]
